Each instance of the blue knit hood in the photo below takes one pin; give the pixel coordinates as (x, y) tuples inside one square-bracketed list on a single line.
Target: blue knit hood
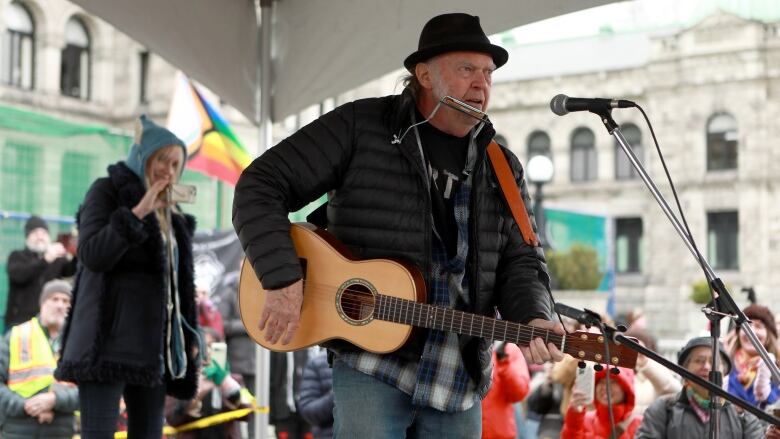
[(152, 138)]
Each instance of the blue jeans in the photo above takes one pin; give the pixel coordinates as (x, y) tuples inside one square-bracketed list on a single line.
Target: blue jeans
[(368, 408), (100, 409)]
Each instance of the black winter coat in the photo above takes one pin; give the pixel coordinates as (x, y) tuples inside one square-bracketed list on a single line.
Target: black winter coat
[(27, 272), (116, 326), (379, 207)]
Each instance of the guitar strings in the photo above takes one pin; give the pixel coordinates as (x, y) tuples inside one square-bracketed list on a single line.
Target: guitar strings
[(360, 300), (360, 304)]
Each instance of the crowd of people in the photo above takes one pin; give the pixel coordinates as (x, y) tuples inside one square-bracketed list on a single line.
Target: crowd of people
[(137, 340)]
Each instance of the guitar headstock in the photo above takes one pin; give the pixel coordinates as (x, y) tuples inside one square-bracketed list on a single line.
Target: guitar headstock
[(589, 346)]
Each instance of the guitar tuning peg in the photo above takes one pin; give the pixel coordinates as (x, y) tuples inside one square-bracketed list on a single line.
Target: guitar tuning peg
[(597, 367), (622, 328), (581, 364), (614, 371)]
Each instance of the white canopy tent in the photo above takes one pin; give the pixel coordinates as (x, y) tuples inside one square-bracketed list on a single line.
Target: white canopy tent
[(309, 51), (319, 48)]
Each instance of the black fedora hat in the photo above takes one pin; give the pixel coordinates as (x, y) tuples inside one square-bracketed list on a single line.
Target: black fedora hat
[(454, 32)]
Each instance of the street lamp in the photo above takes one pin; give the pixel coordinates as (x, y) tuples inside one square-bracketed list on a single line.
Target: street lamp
[(540, 171)]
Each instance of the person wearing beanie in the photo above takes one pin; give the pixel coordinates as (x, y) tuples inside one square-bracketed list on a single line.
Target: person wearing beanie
[(686, 414), (32, 403), (408, 176), (28, 269), (132, 330), (749, 378)]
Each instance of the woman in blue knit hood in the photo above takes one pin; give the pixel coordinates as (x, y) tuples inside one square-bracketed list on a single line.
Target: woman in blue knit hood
[(131, 332)]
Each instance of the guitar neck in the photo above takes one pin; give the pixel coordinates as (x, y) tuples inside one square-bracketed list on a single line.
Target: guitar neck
[(394, 309)]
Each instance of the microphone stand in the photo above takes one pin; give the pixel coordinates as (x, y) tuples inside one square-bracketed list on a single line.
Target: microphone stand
[(722, 303)]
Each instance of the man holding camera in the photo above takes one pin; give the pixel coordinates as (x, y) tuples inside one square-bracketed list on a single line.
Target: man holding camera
[(29, 268)]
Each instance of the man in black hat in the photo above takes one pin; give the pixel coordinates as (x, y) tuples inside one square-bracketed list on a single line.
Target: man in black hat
[(686, 414), (28, 269), (406, 178)]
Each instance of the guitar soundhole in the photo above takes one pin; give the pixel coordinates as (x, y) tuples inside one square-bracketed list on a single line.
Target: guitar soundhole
[(355, 301)]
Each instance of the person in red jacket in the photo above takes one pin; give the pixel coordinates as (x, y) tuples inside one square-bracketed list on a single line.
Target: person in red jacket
[(595, 424), (510, 385)]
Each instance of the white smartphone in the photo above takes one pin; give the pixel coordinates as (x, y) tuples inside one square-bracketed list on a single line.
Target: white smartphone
[(219, 353), (182, 193), (584, 381)]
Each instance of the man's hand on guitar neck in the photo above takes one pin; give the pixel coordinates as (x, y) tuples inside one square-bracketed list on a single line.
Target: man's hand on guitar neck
[(536, 352), (282, 313)]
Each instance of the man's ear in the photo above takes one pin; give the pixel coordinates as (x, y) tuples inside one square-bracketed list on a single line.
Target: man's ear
[(423, 73)]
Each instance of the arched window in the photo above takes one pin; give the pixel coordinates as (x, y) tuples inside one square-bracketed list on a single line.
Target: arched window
[(539, 144), (722, 142), (75, 66), (623, 168), (17, 62), (583, 164)]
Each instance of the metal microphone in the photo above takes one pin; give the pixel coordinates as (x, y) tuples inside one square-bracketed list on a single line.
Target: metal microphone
[(584, 316), (562, 104)]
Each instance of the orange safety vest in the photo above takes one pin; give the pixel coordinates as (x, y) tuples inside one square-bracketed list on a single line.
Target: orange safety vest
[(31, 361)]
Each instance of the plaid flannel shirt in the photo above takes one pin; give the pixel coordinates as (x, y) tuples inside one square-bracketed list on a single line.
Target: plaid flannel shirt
[(439, 379)]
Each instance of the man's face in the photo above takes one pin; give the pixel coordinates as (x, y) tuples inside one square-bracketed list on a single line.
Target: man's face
[(38, 240), (55, 309), (466, 76)]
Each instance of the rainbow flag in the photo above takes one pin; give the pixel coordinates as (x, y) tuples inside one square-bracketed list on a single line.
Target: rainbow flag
[(212, 147)]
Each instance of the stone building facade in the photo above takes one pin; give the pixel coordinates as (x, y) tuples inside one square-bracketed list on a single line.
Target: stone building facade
[(711, 92)]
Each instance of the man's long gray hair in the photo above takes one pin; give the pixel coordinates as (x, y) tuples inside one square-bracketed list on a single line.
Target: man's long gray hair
[(411, 82)]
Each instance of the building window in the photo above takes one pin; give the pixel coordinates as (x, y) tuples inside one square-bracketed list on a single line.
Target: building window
[(18, 47), (583, 155), (628, 245), (722, 142), (624, 170), (75, 66), (539, 144), (143, 62), (722, 239)]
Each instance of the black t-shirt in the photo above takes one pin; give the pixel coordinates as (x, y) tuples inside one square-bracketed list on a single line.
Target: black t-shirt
[(446, 157)]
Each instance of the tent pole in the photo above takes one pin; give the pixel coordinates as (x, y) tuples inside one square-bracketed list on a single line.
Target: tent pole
[(263, 107)]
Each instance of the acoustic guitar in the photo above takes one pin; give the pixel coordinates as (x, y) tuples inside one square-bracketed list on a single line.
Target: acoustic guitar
[(374, 304)]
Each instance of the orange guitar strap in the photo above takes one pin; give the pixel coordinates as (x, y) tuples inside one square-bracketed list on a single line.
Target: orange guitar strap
[(511, 193)]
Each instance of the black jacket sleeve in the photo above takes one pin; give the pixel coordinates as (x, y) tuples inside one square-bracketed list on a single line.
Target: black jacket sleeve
[(106, 230), (284, 179), (23, 266), (522, 280)]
